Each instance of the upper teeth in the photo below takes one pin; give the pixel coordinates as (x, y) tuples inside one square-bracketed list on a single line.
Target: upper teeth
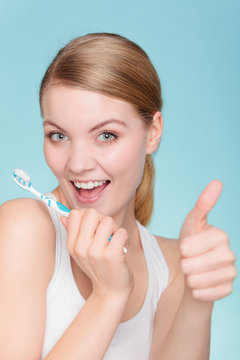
[(89, 185)]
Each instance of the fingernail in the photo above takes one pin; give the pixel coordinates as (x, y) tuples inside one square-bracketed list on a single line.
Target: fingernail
[(64, 220)]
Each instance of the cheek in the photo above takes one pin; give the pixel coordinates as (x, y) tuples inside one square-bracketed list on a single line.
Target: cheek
[(126, 163), (53, 158)]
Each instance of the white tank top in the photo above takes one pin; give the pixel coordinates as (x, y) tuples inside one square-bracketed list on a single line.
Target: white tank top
[(132, 339)]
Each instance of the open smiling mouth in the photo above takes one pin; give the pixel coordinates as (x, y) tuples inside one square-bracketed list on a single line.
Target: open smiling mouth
[(90, 195)]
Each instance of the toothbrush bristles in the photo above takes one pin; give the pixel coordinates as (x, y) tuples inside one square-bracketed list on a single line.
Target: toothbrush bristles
[(22, 177)]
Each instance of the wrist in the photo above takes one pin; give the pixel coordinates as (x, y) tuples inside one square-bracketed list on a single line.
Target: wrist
[(198, 304), (111, 299)]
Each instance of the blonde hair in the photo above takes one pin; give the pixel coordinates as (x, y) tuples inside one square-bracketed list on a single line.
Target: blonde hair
[(113, 65)]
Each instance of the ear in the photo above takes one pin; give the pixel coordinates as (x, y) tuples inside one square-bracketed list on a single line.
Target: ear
[(154, 133)]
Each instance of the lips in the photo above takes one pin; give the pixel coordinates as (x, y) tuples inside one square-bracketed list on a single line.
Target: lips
[(86, 196)]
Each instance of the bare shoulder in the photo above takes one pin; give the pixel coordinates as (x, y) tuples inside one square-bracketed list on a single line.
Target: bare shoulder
[(170, 250), (15, 205), (27, 243), (26, 224), (26, 210)]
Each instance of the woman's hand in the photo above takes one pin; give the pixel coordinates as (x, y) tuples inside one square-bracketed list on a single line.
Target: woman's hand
[(206, 258), (103, 261)]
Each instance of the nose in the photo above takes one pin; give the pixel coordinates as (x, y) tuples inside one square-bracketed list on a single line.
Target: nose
[(80, 158)]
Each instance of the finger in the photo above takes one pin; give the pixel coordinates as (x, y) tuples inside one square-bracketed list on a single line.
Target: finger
[(208, 199), (118, 242), (202, 242), (74, 221), (213, 293), (89, 224), (64, 221), (196, 219), (105, 230), (220, 256), (212, 278)]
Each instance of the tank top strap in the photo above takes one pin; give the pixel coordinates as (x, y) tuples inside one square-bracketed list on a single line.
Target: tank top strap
[(157, 267), (59, 242)]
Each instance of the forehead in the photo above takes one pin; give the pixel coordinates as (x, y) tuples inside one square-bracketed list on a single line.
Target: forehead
[(60, 99)]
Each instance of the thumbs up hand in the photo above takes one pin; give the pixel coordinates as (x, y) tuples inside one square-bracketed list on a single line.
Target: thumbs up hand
[(207, 261)]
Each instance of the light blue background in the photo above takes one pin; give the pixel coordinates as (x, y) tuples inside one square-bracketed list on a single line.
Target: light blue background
[(194, 46)]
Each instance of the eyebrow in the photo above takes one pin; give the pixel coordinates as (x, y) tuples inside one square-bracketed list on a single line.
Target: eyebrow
[(101, 124)]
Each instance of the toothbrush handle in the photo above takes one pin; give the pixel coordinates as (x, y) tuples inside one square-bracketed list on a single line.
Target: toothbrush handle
[(60, 208), (63, 210)]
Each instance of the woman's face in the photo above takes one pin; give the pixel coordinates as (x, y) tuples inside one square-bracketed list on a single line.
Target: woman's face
[(91, 137)]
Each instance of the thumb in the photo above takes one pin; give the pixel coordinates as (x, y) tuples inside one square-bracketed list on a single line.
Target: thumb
[(196, 220), (64, 221)]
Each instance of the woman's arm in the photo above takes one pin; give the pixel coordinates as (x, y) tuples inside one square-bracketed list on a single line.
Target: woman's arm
[(27, 239), (182, 326), (26, 268), (178, 321), (90, 334), (207, 263)]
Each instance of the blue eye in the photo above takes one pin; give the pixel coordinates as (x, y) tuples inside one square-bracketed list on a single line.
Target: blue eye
[(57, 137), (108, 136)]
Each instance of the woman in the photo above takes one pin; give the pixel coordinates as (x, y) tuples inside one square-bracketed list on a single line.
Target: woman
[(68, 292)]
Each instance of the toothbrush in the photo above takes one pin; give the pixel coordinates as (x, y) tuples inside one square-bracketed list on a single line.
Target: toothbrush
[(22, 179)]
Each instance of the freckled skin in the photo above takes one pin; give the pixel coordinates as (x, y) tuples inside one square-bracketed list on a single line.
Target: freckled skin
[(83, 155)]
